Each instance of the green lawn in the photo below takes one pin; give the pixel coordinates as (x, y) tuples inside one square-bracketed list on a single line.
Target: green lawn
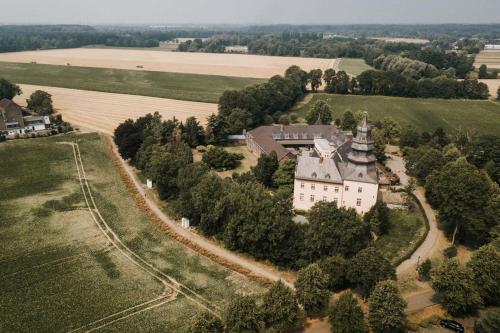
[(58, 270), (354, 66), (425, 114), (406, 229), (189, 87)]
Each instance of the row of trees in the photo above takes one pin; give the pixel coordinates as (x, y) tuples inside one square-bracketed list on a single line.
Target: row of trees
[(40, 102)]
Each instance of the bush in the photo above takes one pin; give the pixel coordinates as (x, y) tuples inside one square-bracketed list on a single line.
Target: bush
[(450, 252), (293, 117), (424, 270), (219, 159), (284, 119)]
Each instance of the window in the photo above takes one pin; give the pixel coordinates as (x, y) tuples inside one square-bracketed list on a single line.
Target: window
[(325, 187), (336, 200), (302, 185), (360, 190), (347, 189), (336, 190), (324, 198), (313, 186), (358, 202), (312, 198), (301, 196)]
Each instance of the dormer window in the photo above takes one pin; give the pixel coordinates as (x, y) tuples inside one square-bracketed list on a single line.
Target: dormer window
[(327, 176), (360, 175), (314, 175)]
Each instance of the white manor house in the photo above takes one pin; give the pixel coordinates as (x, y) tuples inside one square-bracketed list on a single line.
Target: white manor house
[(331, 164)]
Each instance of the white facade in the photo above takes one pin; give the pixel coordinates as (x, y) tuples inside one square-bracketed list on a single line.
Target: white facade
[(357, 195)]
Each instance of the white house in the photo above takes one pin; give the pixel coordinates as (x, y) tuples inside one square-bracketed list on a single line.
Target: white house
[(340, 171)]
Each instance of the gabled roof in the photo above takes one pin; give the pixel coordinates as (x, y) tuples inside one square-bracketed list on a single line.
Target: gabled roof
[(317, 169)]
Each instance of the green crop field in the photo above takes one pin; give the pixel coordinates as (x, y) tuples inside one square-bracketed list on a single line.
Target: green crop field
[(188, 87), (61, 272), (425, 114), (354, 66)]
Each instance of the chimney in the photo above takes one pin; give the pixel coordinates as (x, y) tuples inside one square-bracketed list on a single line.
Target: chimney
[(282, 127)]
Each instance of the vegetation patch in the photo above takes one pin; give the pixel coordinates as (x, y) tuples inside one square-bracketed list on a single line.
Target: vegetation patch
[(354, 66)]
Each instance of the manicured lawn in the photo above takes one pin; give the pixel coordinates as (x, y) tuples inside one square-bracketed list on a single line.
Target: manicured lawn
[(354, 66), (189, 87), (426, 114), (406, 229), (58, 270)]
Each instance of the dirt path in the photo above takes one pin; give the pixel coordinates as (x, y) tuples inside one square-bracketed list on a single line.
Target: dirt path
[(203, 243)]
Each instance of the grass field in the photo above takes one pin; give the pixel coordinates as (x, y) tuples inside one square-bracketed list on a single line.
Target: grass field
[(60, 272), (425, 114), (354, 66), (188, 87), (406, 228)]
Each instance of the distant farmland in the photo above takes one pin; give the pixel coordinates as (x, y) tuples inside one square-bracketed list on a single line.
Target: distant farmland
[(188, 87), (353, 66), (61, 273), (425, 114), (176, 62), (491, 58)]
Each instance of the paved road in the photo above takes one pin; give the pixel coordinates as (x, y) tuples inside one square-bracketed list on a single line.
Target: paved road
[(199, 240)]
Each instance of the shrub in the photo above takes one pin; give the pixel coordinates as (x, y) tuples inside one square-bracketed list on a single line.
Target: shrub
[(205, 322), (293, 117), (219, 159), (312, 290), (450, 252), (284, 119), (424, 270)]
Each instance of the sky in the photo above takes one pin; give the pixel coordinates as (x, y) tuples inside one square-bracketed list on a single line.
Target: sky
[(249, 11)]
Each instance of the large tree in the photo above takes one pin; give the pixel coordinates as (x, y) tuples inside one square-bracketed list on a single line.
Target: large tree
[(335, 268), (314, 79), (346, 316), (206, 322), (242, 316), (409, 137), (192, 132), (348, 122), (283, 178), (311, 288), (484, 152), (334, 230), (467, 203), (386, 309), (367, 268), (40, 102), (265, 168), (485, 268), (280, 309), (489, 322), (8, 89), (128, 138), (320, 112), (378, 217), (456, 288)]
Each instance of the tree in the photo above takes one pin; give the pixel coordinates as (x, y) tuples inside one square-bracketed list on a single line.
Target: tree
[(239, 120), (483, 72), (455, 288), (265, 168), (335, 268), (386, 309), (484, 152), (348, 122), (321, 112), (242, 316), (315, 79), (424, 270), (206, 322), (8, 90), (284, 177), (390, 128), (341, 83), (334, 230), (328, 78), (192, 132), (489, 323), (219, 159), (378, 218), (485, 268), (367, 268), (280, 309), (40, 102), (421, 161), (379, 145), (128, 138), (409, 137), (466, 202), (346, 316), (311, 289)]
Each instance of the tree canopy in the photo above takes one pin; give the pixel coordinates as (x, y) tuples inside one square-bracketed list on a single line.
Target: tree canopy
[(40, 102), (8, 89), (280, 309), (321, 112), (311, 288), (346, 316), (206, 322), (386, 309)]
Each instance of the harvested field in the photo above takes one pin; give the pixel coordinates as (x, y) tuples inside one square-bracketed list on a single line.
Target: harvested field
[(493, 87), (402, 40), (491, 58), (104, 111), (195, 63)]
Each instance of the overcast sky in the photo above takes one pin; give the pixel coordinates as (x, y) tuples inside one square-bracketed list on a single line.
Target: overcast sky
[(249, 11)]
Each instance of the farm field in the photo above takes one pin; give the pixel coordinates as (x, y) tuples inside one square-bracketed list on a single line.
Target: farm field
[(402, 40), (62, 272), (492, 86), (188, 87), (425, 114), (353, 66), (178, 62), (103, 112), (491, 58)]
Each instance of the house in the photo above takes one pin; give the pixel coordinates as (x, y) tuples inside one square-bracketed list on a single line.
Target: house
[(13, 122), (236, 49), (338, 170)]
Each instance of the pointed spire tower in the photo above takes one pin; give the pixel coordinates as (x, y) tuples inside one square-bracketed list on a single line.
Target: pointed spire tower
[(361, 160)]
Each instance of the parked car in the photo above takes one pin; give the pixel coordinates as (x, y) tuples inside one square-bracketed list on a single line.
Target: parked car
[(452, 325)]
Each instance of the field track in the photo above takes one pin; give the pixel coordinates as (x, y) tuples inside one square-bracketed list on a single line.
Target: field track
[(104, 111), (239, 65), (172, 287)]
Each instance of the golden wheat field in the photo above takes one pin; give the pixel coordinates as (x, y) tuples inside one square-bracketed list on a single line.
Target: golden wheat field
[(493, 86), (102, 112), (491, 58), (240, 65)]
